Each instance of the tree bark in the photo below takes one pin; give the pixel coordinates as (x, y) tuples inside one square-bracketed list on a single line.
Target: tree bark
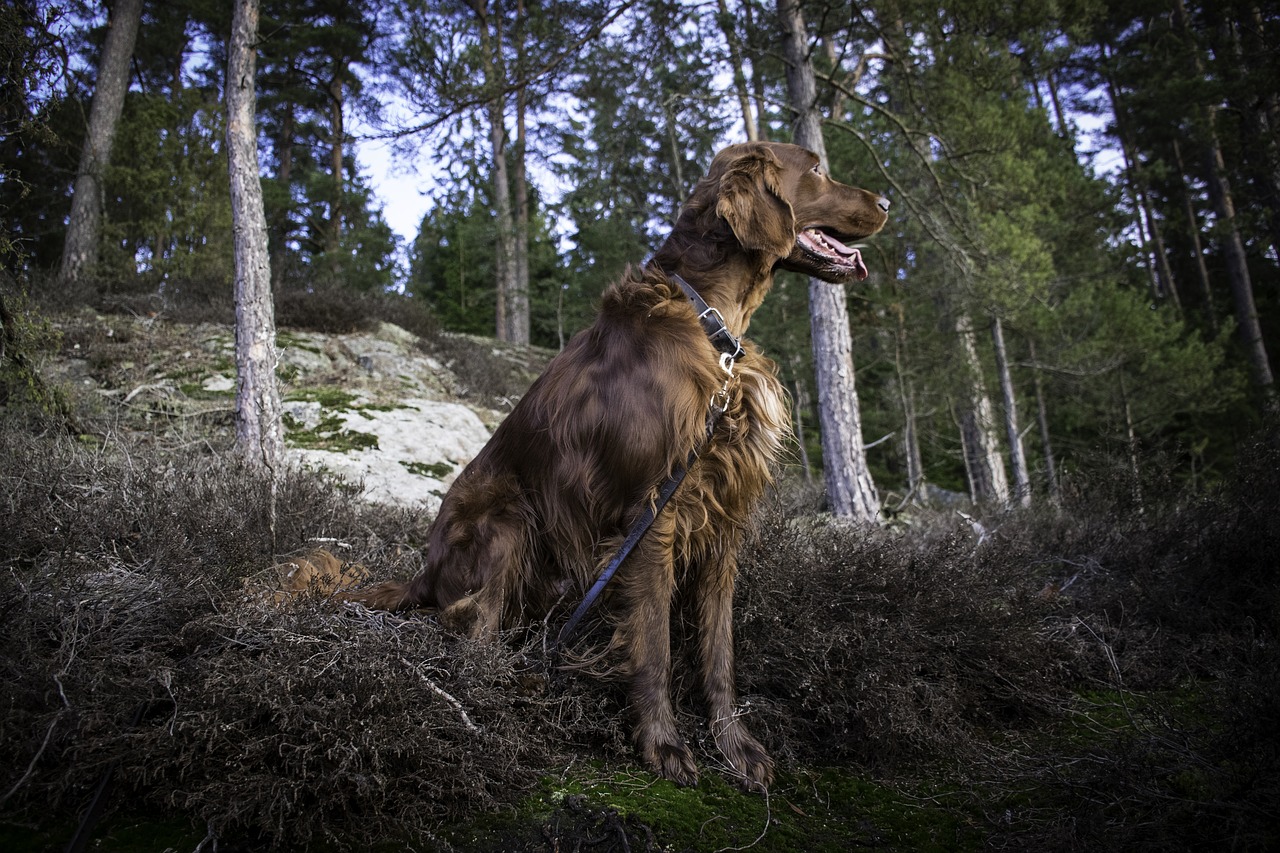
[(1017, 457), (1131, 444), (850, 490), (725, 19), (518, 314), (1042, 416), (504, 219), (279, 240), (1193, 228), (910, 432), (257, 416), (84, 227), (1250, 328), (988, 482), (1158, 269), (337, 96)]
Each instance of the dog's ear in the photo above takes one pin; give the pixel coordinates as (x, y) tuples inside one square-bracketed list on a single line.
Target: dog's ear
[(751, 200)]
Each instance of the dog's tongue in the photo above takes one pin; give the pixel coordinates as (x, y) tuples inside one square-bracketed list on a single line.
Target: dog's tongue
[(859, 268), (839, 247), (853, 256)]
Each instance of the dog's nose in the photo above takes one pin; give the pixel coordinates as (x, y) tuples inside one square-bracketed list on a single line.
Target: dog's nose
[(883, 204)]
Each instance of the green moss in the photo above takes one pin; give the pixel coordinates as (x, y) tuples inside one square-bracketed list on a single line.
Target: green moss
[(289, 339), (437, 470), (197, 391), (826, 810), (329, 434), (329, 398), (287, 372)]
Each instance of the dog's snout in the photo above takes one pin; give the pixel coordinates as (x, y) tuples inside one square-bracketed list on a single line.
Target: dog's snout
[(883, 204)]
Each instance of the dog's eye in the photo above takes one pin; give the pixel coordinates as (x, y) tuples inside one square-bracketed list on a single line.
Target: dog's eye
[(817, 169)]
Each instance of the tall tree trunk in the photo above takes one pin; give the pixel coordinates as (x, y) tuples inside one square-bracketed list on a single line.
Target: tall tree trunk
[(1131, 444), (1193, 228), (1250, 328), (504, 219), (518, 309), (1158, 269), (1017, 457), (1238, 272), (757, 80), (84, 227), (1042, 417), (257, 417), (850, 490), (800, 405), (910, 433), (518, 306), (675, 160), (337, 130), (1261, 114), (280, 227), (1064, 129), (988, 483), (725, 19), (1169, 284)]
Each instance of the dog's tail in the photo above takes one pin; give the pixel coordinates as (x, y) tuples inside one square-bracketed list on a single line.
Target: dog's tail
[(388, 595)]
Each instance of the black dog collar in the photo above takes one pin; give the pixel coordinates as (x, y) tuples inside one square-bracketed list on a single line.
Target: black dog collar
[(712, 321)]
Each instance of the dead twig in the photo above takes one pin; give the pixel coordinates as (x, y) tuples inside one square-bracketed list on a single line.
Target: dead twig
[(439, 691)]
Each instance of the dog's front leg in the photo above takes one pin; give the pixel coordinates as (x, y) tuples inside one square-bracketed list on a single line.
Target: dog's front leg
[(715, 623), (645, 631)]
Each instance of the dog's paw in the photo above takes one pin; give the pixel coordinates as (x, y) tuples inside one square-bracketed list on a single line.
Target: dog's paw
[(753, 766), (470, 618), (672, 761)]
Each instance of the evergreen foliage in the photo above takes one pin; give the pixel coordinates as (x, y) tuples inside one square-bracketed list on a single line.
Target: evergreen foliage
[(1099, 181), (1060, 171)]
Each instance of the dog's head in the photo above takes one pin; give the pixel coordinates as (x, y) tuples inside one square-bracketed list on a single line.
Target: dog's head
[(777, 201)]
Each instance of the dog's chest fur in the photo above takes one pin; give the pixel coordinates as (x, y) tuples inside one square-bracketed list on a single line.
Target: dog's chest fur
[(736, 465)]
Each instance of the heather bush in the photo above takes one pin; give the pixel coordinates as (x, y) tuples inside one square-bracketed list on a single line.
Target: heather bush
[(1095, 678)]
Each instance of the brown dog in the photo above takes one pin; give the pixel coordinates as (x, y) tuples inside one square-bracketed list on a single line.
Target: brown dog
[(553, 493)]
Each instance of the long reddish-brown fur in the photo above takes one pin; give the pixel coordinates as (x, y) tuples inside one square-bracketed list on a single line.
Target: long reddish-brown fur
[(552, 494)]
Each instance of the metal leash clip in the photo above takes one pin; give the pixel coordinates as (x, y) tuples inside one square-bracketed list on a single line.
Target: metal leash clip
[(726, 364)]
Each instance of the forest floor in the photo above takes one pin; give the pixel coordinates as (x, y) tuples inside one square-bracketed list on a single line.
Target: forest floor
[(1095, 677)]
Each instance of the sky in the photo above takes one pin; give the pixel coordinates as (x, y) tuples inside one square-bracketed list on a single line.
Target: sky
[(403, 188)]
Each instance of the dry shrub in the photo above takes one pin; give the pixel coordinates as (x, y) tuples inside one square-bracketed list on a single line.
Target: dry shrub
[(131, 644), (857, 646), (1173, 739), (492, 373), (334, 309)]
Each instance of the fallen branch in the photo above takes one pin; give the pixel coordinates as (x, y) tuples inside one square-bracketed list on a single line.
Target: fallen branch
[(462, 712)]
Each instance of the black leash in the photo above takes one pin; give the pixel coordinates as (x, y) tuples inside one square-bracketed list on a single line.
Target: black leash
[(730, 349), (637, 532)]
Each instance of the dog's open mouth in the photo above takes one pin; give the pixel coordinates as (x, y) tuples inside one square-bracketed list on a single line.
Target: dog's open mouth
[(831, 251)]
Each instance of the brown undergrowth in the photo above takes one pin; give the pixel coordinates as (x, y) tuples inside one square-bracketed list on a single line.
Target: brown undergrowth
[(1091, 679)]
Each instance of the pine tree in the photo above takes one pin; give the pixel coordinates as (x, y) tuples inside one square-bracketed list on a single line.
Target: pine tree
[(259, 434), (851, 492), (84, 228)]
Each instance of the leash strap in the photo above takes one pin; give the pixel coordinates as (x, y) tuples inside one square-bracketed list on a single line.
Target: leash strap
[(637, 531), (731, 350)]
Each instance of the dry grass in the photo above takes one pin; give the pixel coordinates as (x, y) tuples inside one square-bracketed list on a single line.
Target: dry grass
[(1095, 679)]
